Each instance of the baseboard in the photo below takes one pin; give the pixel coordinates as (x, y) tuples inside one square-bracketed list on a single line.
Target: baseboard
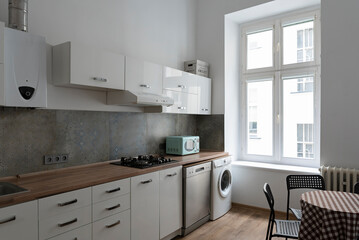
[(278, 213)]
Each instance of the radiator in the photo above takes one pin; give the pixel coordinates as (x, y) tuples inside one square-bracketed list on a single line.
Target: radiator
[(339, 179)]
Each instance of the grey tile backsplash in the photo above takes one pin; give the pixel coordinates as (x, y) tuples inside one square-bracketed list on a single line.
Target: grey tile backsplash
[(27, 135)]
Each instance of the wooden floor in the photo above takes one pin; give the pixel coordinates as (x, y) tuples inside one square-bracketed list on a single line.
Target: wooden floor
[(240, 223)]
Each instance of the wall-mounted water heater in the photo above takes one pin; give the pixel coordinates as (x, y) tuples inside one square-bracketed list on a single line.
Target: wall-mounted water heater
[(23, 80)]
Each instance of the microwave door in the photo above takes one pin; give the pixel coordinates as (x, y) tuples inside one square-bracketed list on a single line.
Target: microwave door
[(190, 145)]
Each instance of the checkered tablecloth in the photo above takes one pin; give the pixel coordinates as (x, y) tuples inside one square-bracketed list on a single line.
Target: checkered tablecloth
[(329, 215)]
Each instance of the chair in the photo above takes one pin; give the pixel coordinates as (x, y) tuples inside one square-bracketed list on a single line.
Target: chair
[(302, 181), (284, 228), (356, 189)]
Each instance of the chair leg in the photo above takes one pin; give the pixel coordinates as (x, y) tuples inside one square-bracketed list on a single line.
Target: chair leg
[(271, 231), (269, 222)]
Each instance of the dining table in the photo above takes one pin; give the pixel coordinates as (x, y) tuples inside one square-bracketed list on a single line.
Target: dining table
[(329, 215)]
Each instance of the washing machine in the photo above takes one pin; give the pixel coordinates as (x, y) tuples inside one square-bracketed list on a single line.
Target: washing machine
[(221, 194)]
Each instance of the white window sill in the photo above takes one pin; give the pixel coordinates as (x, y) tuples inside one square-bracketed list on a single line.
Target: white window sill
[(276, 167)]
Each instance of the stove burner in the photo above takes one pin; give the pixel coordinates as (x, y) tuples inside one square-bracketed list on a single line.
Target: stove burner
[(143, 161)]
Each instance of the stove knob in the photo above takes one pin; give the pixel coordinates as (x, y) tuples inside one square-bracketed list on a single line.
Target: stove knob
[(123, 158), (160, 161)]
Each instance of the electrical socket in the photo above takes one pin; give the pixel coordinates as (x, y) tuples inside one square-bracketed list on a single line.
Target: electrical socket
[(56, 159)]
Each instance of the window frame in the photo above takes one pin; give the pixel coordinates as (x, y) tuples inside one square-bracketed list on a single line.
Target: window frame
[(277, 73)]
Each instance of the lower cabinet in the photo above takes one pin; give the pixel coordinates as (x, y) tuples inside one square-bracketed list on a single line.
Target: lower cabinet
[(19, 222), (82, 233), (113, 228), (145, 207), (170, 201)]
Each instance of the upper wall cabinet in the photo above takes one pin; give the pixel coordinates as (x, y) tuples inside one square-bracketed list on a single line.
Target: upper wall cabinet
[(77, 65), (204, 95), (143, 77), (176, 80)]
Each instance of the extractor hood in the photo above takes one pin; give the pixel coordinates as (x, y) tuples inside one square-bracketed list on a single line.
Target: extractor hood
[(128, 98)]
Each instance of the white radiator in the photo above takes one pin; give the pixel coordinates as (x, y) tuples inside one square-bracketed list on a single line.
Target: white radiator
[(339, 179)]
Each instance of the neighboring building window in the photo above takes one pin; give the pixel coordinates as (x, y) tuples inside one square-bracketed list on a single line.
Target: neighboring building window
[(305, 141), (280, 60)]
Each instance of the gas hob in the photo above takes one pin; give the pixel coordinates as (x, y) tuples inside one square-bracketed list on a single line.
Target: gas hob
[(144, 161)]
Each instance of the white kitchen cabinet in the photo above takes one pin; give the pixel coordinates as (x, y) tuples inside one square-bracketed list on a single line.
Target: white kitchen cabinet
[(204, 95), (170, 201), (110, 190), (145, 207), (76, 65), (185, 103), (50, 227), (19, 222), (143, 77), (177, 80), (113, 228), (110, 207), (64, 202), (82, 233)]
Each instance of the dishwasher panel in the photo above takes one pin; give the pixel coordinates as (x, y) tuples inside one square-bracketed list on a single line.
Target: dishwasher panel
[(196, 199)]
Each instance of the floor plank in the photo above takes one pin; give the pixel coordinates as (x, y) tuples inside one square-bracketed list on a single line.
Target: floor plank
[(240, 223)]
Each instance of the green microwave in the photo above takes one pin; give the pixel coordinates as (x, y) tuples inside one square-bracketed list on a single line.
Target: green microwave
[(182, 145)]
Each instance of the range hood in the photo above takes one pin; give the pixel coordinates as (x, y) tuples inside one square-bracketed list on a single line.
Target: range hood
[(128, 98)]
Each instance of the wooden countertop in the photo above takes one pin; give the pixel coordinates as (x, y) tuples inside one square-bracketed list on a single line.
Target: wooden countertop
[(47, 183)]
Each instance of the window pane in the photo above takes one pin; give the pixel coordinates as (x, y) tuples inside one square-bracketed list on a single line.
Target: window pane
[(298, 43), (260, 49), (298, 117), (260, 123)]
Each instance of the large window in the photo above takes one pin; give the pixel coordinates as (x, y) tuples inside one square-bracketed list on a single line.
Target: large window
[(281, 77)]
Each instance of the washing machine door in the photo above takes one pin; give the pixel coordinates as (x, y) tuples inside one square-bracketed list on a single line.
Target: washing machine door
[(225, 182)]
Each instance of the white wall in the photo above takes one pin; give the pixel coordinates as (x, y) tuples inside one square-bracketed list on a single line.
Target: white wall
[(210, 41), (340, 84), (248, 185), (159, 31)]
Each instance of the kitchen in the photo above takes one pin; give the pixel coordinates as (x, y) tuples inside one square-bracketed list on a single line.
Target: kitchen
[(78, 122)]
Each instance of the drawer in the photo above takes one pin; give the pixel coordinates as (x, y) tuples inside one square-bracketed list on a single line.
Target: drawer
[(56, 225), (65, 202), (19, 222), (110, 190), (113, 228), (82, 233), (110, 207)]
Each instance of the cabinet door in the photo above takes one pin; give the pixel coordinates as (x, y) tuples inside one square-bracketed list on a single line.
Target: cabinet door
[(143, 77), (183, 102), (78, 65), (82, 233), (170, 201), (176, 80), (145, 207), (19, 222), (110, 207), (113, 228), (204, 95)]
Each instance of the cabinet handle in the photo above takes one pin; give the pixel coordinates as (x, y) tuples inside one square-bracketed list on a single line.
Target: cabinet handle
[(8, 220), (145, 86), (171, 175), (67, 203), (182, 108), (99, 79), (145, 182), (114, 207), (67, 223), (182, 86), (113, 190), (113, 224)]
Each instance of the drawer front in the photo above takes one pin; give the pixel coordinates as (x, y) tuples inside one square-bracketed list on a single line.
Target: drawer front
[(65, 202), (19, 222), (56, 225), (110, 207), (110, 190), (113, 228), (176, 80), (82, 233)]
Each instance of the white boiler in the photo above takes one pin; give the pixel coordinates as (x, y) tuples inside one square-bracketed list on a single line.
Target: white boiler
[(22, 69)]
